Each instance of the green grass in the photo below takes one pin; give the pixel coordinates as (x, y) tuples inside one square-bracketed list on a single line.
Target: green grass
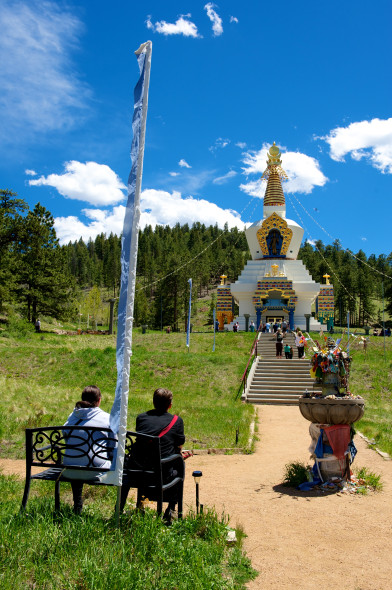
[(371, 378), (48, 551), (295, 474), (370, 479), (42, 376)]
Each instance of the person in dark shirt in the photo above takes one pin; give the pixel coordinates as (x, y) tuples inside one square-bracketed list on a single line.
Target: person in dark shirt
[(154, 422)]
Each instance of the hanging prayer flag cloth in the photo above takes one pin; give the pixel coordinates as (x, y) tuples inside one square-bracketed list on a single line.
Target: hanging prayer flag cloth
[(129, 247)]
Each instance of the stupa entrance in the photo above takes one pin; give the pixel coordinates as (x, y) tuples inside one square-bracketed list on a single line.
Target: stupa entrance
[(275, 319)]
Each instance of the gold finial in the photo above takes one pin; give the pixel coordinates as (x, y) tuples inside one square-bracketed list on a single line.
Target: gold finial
[(274, 269), (326, 277), (274, 163), (223, 277)]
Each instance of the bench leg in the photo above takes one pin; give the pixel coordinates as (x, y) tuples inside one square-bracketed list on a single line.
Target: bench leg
[(25, 494), (180, 498), (118, 502), (57, 496)]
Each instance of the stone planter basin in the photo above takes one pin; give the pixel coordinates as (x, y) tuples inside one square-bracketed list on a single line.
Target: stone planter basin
[(332, 411)]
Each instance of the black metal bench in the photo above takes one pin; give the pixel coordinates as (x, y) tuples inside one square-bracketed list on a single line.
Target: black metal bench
[(50, 448)]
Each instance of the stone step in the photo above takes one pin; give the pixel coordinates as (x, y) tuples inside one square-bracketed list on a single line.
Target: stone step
[(282, 383), (272, 394), (276, 390), (278, 381), (273, 401), (284, 372)]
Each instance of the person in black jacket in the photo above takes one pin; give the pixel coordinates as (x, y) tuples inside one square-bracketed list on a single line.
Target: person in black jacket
[(154, 422)]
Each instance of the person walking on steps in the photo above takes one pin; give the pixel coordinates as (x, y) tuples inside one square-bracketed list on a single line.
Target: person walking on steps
[(300, 344), (279, 343)]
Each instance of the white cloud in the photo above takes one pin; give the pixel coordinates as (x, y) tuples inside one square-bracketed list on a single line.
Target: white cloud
[(214, 18), (184, 164), (303, 171), (174, 173), (30, 172), (220, 143), (365, 139), (182, 26), (71, 229), (241, 145), (225, 178), (90, 182), (233, 19), (157, 208), (40, 90)]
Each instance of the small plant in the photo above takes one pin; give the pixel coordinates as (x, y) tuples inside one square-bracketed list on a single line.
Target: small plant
[(369, 479), (295, 474)]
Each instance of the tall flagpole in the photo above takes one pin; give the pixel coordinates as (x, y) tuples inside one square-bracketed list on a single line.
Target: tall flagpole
[(129, 247)]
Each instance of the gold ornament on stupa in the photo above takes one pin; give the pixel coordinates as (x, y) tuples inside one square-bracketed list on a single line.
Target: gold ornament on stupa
[(274, 164), (222, 278), (274, 174), (327, 277)]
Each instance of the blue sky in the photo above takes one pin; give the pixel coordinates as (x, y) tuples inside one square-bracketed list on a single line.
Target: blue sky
[(227, 79)]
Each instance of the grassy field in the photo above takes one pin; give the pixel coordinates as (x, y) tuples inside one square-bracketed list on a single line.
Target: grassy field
[(42, 375), (48, 551), (371, 378)]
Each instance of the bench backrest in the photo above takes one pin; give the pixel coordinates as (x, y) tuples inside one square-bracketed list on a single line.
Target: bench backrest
[(142, 452), (79, 447)]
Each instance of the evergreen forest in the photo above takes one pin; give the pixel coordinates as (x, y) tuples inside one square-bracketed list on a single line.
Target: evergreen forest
[(40, 277)]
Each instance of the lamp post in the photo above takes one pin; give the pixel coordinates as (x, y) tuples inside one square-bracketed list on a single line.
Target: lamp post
[(197, 476)]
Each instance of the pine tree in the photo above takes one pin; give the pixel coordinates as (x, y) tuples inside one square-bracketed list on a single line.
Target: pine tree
[(45, 286)]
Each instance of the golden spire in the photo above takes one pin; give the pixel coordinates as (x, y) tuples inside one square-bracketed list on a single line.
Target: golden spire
[(274, 173)]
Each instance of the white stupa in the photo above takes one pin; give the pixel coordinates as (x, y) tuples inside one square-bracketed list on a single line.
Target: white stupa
[(274, 285)]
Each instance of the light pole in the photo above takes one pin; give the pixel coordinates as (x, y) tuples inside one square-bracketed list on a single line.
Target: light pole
[(197, 476)]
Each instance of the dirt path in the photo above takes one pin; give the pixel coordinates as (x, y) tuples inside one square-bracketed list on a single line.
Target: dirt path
[(295, 539)]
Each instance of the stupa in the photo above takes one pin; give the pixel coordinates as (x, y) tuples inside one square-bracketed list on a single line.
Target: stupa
[(274, 285)]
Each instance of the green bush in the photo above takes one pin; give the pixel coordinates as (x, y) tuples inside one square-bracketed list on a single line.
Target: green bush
[(295, 474)]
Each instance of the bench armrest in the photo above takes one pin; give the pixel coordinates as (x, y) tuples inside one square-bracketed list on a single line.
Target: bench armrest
[(171, 458)]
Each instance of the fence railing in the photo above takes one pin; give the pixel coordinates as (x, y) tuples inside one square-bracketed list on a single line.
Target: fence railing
[(252, 356)]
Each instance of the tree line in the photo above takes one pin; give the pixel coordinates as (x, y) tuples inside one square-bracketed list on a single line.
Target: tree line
[(40, 277), (167, 258), (34, 273), (360, 282)]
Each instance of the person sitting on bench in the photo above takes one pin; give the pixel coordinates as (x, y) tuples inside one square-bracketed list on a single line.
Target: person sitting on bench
[(87, 413), (158, 422)]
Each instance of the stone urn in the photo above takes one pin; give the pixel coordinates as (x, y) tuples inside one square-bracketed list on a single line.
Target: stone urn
[(331, 411)]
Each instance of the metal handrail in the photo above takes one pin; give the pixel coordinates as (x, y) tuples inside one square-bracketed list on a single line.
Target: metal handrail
[(253, 353)]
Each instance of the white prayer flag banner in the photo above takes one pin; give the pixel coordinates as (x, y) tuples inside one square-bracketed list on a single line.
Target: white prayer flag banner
[(129, 247)]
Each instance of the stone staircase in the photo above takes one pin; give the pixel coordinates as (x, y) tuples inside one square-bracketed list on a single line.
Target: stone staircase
[(277, 381)]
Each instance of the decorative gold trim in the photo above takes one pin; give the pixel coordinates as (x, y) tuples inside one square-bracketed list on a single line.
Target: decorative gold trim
[(274, 222)]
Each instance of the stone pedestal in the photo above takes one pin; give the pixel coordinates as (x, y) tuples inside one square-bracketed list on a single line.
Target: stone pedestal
[(331, 411)]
